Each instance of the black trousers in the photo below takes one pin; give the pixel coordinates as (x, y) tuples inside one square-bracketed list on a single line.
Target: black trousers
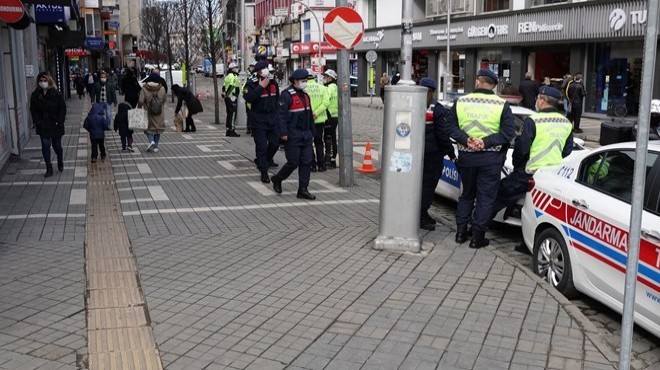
[(433, 166), (266, 144), (190, 123), (98, 145), (298, 157), (318, 144), (480, 186), (330, 133), (232, 108), (512, 188)]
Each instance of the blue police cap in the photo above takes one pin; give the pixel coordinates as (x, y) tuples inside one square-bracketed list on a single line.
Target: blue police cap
[(299, 74), (550, 91), (260, 65), (487, 73), (428, 82)]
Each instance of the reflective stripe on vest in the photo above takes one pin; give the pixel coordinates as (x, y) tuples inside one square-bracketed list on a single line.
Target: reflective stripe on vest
[(479, 116), (552, 130)]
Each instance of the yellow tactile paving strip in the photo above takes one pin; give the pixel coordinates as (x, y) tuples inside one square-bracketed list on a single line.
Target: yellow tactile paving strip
[(119, 334)]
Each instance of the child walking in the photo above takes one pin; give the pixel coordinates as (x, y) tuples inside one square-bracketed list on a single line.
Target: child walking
[(95, 124), (121, 125)]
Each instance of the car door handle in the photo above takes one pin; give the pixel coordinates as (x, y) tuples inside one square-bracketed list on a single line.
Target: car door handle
[(651, 234), (580, 203)]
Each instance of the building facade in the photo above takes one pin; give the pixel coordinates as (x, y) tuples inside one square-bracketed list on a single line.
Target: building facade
[(603, 40)]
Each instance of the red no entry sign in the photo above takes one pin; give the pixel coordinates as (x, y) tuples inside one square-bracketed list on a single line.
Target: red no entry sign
[(343, 28), (11, 11)]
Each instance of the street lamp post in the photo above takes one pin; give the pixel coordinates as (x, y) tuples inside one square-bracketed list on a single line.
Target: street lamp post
[(121, 37), (318, 24), (448, 67)]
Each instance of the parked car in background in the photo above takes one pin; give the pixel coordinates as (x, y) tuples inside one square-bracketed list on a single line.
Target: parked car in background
[(199, 69), (576, 223)]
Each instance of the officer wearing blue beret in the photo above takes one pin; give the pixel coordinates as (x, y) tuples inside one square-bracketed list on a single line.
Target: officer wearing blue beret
[(436, 145), (262, 92), (482, 125), (545, 140), (296, 127)]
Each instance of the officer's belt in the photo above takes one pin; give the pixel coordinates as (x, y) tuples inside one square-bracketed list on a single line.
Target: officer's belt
[(464, 148)]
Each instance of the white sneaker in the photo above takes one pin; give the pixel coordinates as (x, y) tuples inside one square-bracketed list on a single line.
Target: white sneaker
[(151, 146), (156, 150)]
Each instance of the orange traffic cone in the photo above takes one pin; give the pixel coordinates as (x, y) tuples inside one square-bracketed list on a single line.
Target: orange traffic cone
[(367, 165)]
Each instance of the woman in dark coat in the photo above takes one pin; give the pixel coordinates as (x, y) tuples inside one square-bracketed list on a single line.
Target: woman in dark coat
[(48, 111), (193, 105), (79, 82), (131, 87)]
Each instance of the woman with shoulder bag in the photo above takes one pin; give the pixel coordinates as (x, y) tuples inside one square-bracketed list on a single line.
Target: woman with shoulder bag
[(48, 111), (152, 98)]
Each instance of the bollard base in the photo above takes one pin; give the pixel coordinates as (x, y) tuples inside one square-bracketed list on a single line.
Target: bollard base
[(395, 244)]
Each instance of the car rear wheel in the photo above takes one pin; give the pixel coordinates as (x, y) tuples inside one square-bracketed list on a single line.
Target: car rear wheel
[(553, 263)]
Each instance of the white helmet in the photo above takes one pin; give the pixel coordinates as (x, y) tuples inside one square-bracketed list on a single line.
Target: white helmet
[(655, 106), (252, 63), (232, 65), (331, 73)]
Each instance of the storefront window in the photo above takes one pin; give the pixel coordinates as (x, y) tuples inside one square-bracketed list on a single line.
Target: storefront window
[(547, 2), (495, 5), (613, 78)]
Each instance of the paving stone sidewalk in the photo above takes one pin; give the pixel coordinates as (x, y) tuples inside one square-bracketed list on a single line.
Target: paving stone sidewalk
[(236, 276)]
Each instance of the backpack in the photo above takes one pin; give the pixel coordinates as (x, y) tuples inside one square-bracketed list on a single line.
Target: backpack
[(155, 107)]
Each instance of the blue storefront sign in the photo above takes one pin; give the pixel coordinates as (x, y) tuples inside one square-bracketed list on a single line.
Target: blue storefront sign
[(47, 14), (94, 43), (113, 25)]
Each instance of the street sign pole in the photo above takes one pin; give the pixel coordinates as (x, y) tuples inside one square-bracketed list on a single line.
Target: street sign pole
[(371, 84), (343, 28), (636, 232)]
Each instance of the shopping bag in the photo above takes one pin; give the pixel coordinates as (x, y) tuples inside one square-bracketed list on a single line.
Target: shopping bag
[(178, 122), (138, 119)]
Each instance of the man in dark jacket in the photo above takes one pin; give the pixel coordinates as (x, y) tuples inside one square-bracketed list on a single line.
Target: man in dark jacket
[(296, 127), (436, 145), (130, 87), (262, 92), (106, 95), (529, 90), (575, 94)]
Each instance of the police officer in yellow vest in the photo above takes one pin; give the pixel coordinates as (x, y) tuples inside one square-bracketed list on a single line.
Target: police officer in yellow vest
[(330, 129), (230, 91), (320, 101), (482, 125), (545, 140)]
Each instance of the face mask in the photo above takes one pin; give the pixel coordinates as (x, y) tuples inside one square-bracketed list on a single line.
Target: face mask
[(43, 84), (301, 85), (104, 79), (264, 73)]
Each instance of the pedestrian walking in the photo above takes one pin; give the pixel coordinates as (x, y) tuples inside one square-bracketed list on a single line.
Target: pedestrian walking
[(320, 101), (482, 125), (296, 126), (529, 90), (263, 93), (568, 79), (96, 124), (436, 145), (575, 94), (48, 111), (384, 81), (79, 83), (121, 125), (155, 73), (192, 105), (152, 98), (545, 140), (330, 128), (90, 79), (106, 95), (230, 91), (131, 87)]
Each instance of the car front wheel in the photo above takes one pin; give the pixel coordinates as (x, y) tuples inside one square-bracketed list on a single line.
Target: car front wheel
[(553, 263)]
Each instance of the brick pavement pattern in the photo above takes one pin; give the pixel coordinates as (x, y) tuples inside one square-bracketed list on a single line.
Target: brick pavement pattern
[(237, 277)]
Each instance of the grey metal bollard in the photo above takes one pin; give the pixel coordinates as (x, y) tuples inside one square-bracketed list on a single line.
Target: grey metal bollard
[(402, 157)]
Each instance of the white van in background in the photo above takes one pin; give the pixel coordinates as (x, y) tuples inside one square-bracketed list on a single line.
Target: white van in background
[(177, 79)]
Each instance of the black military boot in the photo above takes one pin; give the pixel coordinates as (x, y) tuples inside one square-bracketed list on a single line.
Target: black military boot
[(461, 234), (49, 170), (333, 164), (478, 240), (426, 224), (277, 184), (264, 177), (322, 167), (303, 193), (60, 164), (313, 169)]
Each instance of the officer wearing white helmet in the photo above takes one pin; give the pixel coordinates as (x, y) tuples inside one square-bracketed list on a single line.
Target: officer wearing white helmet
[(330, 128), (230, 90)]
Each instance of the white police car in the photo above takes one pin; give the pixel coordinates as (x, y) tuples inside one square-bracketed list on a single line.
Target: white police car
[(576, 221), (449, 185)]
